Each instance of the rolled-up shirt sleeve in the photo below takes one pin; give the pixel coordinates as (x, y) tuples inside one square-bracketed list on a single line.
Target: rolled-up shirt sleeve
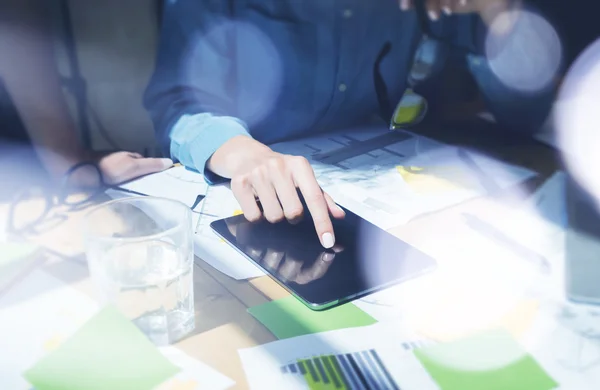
[(194, 138), (191, 96)]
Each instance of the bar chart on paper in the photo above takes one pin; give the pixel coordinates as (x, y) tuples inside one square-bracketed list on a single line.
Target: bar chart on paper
[(357, 370), (378, 356)]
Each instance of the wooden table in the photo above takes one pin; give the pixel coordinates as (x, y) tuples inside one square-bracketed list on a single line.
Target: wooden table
[(223, 324)]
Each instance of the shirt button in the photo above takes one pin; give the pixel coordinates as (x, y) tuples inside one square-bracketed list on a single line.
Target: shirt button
[(342, 87), (347, 13)]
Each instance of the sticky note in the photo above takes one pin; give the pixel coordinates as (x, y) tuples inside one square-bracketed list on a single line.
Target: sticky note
[(490, 360), (436, 179), (288, 317), (107, 352)]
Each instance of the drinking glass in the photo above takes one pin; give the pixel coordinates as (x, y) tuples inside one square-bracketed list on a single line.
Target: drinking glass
[(140, 256)]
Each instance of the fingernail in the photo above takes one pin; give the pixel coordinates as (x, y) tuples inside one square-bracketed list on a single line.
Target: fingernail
[(447, 10), (403, 5), (328, 240), (167, 162), (463, 2), (433, 15), (328, 256)]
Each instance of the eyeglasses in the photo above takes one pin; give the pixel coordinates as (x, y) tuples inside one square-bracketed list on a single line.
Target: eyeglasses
[(34, 209), (412, 107)]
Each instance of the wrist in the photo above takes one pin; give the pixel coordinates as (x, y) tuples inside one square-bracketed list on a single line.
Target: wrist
[(236, 155)]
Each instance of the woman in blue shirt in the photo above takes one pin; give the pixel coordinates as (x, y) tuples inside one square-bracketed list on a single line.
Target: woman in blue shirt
[(234, 76)]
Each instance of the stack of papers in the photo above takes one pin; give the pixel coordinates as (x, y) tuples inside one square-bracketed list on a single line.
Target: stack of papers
[(391, 185), (58, 338), (176, 183)]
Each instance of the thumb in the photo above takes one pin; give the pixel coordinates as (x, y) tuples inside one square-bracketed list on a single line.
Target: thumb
[(145, 166)]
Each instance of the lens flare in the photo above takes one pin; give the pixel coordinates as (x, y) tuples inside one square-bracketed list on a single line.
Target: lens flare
[(577, 118), (235, 69), (523, 50)]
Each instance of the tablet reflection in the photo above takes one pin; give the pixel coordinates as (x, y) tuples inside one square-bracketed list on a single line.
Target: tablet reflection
[(283, 256)]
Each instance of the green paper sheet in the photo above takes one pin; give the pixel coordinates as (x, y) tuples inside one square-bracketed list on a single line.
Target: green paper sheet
[(107, 352), (490, 360), (288, 317)]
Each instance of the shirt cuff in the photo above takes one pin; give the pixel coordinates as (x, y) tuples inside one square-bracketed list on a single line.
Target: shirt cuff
[(195, 138)]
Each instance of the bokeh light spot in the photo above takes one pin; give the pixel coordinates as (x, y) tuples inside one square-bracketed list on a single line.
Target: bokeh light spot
[(577, 117), (523, 50), (235, 69)]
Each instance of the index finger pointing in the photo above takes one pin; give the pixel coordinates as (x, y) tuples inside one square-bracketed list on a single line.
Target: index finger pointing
[(306, 182)]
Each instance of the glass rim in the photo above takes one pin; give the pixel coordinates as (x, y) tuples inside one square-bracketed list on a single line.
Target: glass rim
[(97, 237)]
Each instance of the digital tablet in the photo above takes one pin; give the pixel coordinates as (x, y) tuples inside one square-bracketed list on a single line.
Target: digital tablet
[(365, 258)]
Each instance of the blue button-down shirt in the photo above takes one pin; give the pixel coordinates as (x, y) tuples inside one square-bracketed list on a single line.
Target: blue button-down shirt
[(276, 69)]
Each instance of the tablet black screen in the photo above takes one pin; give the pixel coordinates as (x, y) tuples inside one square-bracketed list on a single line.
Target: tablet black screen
[(365, 258)]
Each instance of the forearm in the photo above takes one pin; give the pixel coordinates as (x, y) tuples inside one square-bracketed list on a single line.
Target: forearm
[(31, 77), (217, 146)]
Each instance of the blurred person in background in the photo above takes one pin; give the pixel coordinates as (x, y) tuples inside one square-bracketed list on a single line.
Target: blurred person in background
[(39, 141), (235, 76)]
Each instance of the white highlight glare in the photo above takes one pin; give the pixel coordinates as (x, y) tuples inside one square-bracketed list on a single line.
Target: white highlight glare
[(578, 120), (235, 69), (523, 50)]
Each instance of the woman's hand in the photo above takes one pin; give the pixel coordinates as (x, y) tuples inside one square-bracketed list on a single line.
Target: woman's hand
[(259, 174), (119, 167)]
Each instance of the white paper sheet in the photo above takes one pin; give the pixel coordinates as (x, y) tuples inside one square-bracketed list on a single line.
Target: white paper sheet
[(393, 346), (566, 346), (36, 316), (175, 183), (377, 186), (220, 203), (194, 374)]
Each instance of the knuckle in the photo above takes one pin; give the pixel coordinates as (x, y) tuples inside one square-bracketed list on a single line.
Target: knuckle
[(276, 164), (301, 161), (252, 217), (314, 197), (274, 217), (239, 183), (293, 213), (259, 173)]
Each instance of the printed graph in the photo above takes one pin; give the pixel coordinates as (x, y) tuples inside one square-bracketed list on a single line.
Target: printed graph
[(349, 371), (412, 345)]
